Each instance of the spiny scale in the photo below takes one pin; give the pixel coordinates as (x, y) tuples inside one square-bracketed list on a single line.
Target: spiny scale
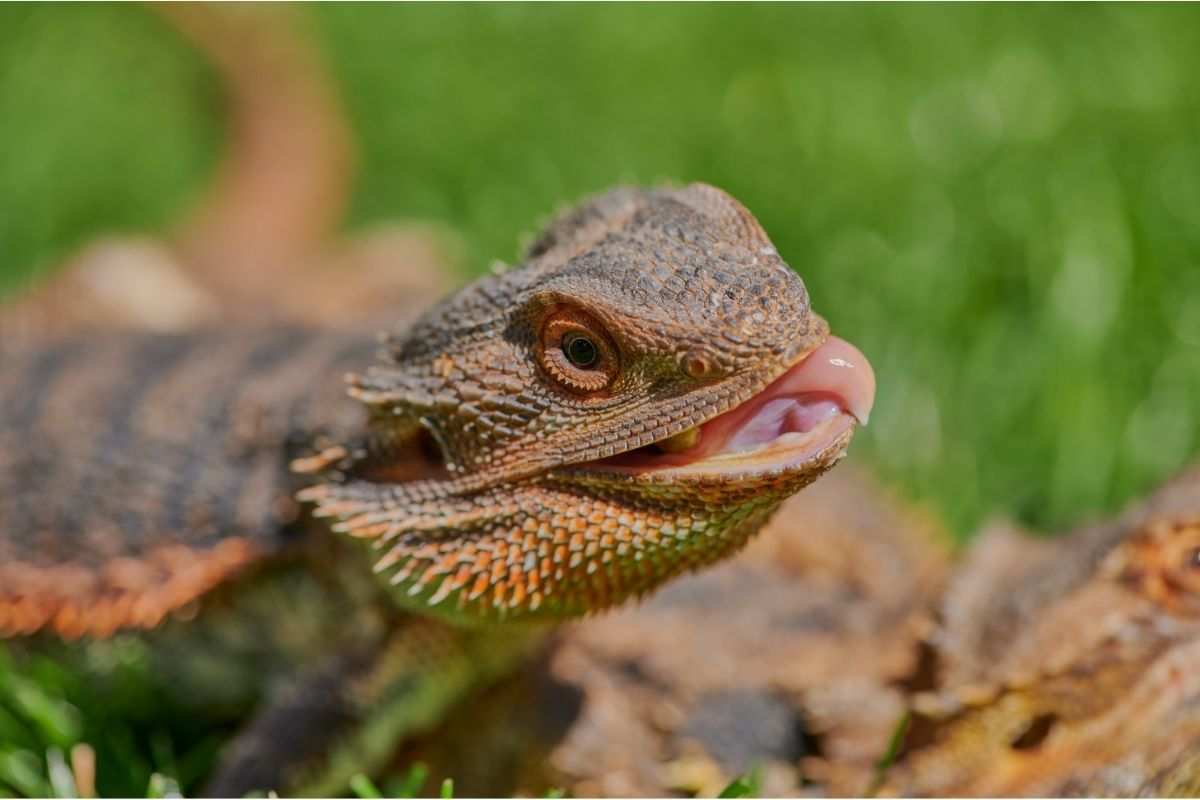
[(555, 552)]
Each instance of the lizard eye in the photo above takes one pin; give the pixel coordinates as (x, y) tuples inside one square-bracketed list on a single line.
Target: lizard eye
[(576, 351), (580, 350)]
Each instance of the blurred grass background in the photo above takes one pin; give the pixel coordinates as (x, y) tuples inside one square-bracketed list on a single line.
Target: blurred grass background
[(1000, 205)]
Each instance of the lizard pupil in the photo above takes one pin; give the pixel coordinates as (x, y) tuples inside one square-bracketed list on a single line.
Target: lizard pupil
[(580, 350)]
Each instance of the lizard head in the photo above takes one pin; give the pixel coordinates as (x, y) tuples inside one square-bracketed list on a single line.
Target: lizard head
[(631, 402)]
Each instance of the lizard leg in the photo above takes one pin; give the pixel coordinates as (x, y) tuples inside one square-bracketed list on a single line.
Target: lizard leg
[(352, 711)]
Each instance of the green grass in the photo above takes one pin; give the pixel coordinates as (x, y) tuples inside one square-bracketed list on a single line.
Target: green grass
[(748, 785), (403, 785), (889, 755), (143, 745), (110, 123), (37, 726)]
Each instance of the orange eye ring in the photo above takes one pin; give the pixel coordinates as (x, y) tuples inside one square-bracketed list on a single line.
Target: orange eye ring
[(577, 352)]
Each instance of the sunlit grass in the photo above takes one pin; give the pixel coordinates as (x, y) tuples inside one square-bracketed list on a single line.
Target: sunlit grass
[(748, 785), (407, 784), (113, 735), (37, 726)]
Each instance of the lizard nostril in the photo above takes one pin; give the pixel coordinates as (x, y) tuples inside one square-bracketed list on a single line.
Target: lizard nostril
[(698, 365)]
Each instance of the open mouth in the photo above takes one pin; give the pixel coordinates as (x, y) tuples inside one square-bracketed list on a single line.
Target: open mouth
[(801, 421), (804, 417)]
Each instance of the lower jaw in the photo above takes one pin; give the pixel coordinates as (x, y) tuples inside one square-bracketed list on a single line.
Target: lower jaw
[(793, 454)]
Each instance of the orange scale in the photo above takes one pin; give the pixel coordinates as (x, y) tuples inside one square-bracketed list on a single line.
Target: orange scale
[(482, 582)]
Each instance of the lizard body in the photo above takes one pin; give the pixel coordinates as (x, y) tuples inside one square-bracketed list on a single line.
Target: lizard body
[(630, 403), (115, 442)]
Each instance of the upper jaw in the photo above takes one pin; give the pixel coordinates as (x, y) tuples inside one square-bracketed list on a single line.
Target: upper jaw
[(801, 421)]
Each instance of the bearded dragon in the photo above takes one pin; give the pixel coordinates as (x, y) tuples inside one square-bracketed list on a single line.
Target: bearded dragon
[(630, 403)]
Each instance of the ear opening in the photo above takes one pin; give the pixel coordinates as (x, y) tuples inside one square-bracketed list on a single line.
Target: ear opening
[(412, 453)]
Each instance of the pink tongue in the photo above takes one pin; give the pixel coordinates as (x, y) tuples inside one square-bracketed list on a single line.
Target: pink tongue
[(777, 417), (834, 378)]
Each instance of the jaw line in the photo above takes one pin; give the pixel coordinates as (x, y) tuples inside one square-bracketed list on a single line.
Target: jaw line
[(818, 449)]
